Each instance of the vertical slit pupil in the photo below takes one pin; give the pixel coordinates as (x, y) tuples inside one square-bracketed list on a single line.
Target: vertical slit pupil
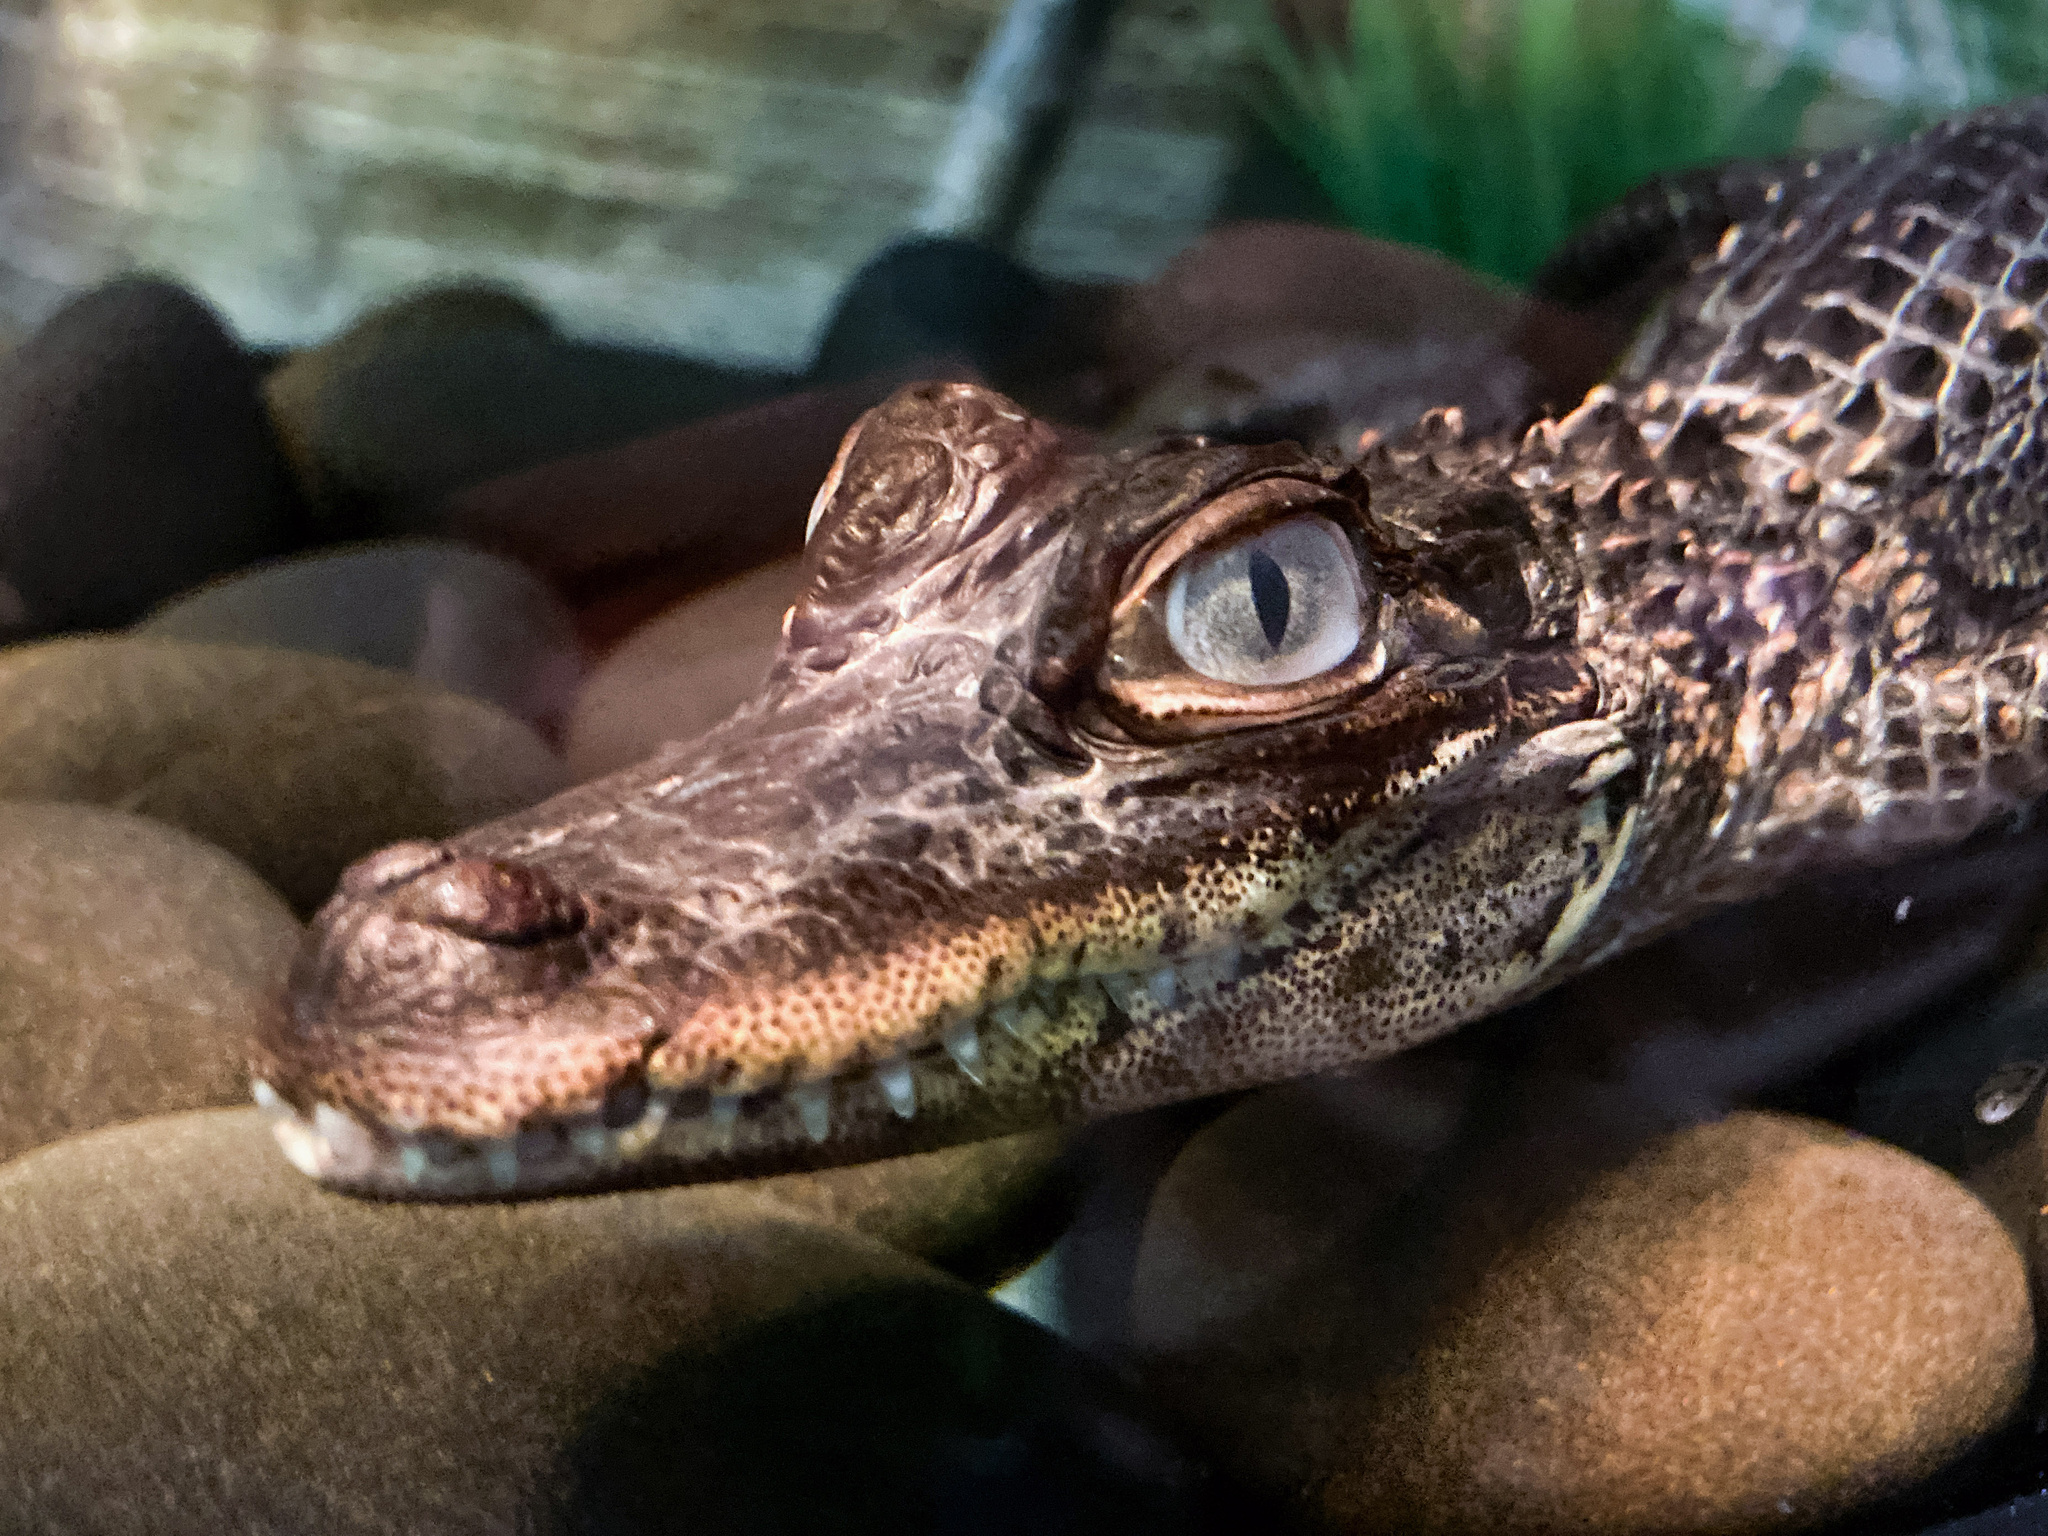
[(1270, 597)]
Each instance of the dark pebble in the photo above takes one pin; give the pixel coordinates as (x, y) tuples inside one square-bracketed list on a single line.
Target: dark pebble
[(454, 387), (932, 298), (135, 461)]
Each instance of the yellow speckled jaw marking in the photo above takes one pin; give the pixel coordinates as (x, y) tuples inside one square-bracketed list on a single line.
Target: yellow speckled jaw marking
[(1608, 845)]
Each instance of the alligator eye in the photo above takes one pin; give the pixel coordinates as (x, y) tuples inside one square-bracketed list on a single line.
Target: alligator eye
[(1275, 608), (1263, 606)]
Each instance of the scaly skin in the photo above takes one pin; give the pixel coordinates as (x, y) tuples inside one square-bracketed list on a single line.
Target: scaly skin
[(985, 853)]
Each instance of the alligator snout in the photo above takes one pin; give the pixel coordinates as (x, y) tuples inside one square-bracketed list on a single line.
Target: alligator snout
[(439, 1033)]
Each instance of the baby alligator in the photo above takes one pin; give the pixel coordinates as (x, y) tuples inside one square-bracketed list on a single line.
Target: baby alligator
[(1087, 783)]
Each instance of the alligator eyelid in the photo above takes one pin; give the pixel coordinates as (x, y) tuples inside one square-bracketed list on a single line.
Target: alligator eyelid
[(1234, 509)]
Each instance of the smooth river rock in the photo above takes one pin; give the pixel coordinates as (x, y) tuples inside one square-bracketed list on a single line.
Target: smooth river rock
[(134, 461), (460, 618), (193, 1338), (682, 672), (931, 300), (298, 392), (453, 386), (134, 963), (1750, 1325), (295, 764), (1290, 1174), (1271, 329)]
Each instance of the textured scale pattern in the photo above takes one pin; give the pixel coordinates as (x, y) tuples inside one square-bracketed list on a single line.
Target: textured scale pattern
[(988, 851), (1873, 335)]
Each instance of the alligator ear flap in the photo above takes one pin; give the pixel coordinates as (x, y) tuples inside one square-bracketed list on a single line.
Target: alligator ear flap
[(918, 478)]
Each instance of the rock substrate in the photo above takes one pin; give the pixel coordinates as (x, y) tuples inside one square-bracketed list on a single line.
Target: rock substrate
[(1748, 1325), (135, 962), (295, 764)]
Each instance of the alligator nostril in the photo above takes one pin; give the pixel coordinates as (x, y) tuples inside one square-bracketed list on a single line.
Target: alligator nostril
[(494, 901), (393, 866)]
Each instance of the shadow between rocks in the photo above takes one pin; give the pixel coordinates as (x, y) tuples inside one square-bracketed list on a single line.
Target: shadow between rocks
[(897, 1410)]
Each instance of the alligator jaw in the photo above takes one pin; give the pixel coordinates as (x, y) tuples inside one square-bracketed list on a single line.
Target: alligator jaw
[(980, 858), (1009, 1049)]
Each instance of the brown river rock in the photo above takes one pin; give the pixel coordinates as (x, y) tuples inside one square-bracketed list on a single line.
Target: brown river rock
[(456, 385), (196, 1339), (134, 963), (296, 764), (681, 673), (1316, 332), (1750, 1325)]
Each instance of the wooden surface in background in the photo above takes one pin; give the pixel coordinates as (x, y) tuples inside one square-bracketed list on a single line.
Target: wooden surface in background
[(698, 176)]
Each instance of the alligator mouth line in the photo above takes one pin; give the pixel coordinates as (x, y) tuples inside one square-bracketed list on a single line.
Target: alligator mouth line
[(1011, 1046)]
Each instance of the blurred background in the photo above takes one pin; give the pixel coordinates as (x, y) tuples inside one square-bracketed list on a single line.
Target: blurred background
[(704, 177)]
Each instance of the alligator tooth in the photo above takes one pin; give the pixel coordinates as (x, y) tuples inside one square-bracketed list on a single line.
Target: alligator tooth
[(1021, 1021), (1163, 986), (591, 1141), (964, 1046), (302, 1147), (814, 1107), (638, 1136), (899, 1087), (502, 1159), (725, 1113), (412, 1163), (345, 1137), (1122, 988), (267, 1098), (2006, 1091), (329, 1122)]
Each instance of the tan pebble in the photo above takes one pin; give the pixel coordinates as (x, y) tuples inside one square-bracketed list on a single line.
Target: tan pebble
[(135, 961), (196, 1339), (1285, 1177), (1752, 1325), (295, 764), (681, 673)]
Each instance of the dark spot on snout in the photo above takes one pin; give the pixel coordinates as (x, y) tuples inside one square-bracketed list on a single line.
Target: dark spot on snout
[(491, 900), (1367, 971)]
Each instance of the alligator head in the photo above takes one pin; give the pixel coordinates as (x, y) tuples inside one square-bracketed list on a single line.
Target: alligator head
[(1079, 784)]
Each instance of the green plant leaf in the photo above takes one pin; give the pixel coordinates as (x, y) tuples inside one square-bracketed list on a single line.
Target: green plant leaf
[(1489, 130)]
